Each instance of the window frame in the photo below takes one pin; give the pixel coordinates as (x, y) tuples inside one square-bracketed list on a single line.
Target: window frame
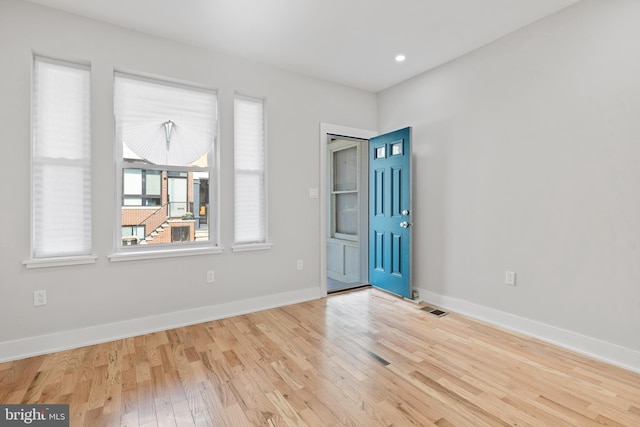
[(212, 245)]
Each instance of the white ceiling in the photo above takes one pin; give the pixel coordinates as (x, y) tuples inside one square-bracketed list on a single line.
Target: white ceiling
[(352, 42)]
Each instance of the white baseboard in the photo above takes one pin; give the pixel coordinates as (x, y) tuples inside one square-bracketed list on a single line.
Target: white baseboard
[(65, 340), (592, 347)]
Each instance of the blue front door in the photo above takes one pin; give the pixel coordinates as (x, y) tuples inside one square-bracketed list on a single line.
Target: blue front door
[(389, 212)]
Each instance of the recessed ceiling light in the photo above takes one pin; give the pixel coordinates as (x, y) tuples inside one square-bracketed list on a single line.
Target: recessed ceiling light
[(400, 58)]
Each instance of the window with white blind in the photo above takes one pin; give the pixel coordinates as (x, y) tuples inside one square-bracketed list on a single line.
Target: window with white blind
[(165, 136), (61, 163), (250, 176)]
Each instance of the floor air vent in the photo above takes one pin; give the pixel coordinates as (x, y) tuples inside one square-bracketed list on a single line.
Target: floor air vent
[(434, 311)]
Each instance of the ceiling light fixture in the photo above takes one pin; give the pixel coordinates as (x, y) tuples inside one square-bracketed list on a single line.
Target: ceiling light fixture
[(400, 58)]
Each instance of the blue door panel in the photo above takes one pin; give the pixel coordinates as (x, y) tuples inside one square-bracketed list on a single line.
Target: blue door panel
[(389, 204), (378, 193), (379, 251), (396, 254), (396, 191)]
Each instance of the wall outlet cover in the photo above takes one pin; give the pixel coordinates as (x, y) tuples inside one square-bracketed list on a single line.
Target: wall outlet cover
[(39, 298), (510, 278)]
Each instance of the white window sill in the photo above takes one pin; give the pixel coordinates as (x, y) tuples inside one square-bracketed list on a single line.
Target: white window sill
[(163, 253), (60, 261), (251, 247)]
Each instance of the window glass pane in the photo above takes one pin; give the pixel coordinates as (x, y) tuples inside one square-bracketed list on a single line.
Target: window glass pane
[(396, 148), (152, 201), (345, 169), (132, 201), (132, 181), (347, 213), (183, 203), (152, 183), (380, 153), (177, 174), (180, 234), (133, 230)]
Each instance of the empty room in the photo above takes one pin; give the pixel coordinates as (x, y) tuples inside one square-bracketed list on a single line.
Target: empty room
[(289, 213)]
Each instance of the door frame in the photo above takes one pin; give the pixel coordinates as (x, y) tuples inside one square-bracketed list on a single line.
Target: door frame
[(327, 129)]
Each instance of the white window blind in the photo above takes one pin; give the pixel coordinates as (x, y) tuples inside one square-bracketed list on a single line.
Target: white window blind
[(249, 150), (144, 106), (61, 159)]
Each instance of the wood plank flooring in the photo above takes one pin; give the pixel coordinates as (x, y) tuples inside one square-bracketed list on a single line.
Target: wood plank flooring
[(361, 358)]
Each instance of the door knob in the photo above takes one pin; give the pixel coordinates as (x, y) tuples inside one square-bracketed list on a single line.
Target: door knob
[(406, 212), (404, 224)]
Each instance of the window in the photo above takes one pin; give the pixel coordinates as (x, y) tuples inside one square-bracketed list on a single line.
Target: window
[(133, 231), (61, 160), (249, 162), (344, 189), (165, 135), (180, 234), (141, 187), (132, 234)]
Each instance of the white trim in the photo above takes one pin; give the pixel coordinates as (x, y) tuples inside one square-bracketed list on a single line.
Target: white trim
[(70, 339), (607, 352), (245, 247), (60, 261), (163, 253), (327, 129)]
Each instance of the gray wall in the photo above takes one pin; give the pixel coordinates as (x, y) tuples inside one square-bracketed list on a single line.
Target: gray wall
[(107, 292), (527, 156)]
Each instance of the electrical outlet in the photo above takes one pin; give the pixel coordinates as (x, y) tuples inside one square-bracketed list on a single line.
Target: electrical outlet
[(510, 278), (210, 276), (300, 265), (39, 298)]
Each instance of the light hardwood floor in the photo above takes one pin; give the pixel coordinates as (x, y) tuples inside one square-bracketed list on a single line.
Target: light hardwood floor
[(360, 358)]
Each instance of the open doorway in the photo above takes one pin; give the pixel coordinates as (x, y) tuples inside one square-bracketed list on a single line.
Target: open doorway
[(347, 208), (384, 209)]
